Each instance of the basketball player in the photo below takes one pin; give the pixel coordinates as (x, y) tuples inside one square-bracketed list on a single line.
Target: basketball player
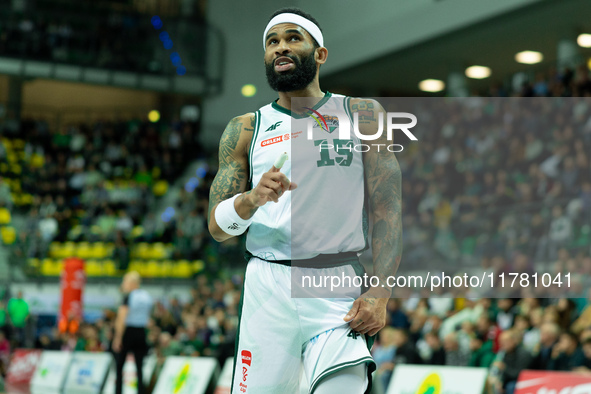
[(277, 334)]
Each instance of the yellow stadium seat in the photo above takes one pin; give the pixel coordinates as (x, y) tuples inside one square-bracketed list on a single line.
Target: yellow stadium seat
[(156, 172), (137, 231), (68, 249), (98, 250), (46, 267), (5, 217), (26, 199), (83, 250), (198, 266), (152, 269), (50, 267), (11, 157), (35, 264), (93, 268), (18, 144), (7, 143), (143, 251), (16, 169), (158, 251), (166, 268), (137, 265), (58, 267), (8, 235), (109, 248), (55, 249), (37, 161), (109, 268), (16, 186), (182, 269), (160, 188)]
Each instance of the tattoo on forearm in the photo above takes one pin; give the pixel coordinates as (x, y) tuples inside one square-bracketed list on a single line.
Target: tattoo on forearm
[(384, 186), (232, 175)]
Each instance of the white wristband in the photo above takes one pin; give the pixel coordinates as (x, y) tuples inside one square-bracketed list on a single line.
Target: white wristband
[(228, 219)]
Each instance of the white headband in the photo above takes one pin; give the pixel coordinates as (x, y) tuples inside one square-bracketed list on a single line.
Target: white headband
[(298, 20)]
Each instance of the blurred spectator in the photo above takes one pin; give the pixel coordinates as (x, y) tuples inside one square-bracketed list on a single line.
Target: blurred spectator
[(18, 312), (549, 333), (455, 356), (481, 351), (437, 354), (566, 354), (406, 352), (383, 354), (510, 361), (4, 353)]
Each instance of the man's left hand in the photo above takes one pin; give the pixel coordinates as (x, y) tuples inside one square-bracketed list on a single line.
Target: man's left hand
[(368, 313)]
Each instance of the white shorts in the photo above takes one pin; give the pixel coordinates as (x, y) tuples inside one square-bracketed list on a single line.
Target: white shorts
[(279, 335)]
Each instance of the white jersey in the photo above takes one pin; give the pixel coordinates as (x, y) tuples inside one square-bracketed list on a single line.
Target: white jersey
[(326, 213)]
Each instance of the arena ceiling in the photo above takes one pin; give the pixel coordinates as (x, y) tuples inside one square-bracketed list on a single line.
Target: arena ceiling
[(492, 43)]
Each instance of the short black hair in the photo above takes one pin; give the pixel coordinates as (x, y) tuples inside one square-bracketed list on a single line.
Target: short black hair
[(297, 11)]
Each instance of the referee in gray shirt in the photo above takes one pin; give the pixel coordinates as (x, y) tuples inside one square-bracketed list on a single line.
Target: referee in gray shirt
[(130, 328)]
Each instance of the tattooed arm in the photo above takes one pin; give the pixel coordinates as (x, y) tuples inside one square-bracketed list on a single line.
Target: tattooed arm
[(383, 179), (232, 175), (383, 184)]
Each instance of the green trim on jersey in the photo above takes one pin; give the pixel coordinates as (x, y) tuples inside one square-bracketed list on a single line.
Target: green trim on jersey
[(286, 111), (347, 105), (257, 120), (340, 367)]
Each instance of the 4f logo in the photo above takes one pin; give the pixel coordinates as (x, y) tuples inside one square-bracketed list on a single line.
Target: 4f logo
[(234, 226), (353, 334), (274, 126)]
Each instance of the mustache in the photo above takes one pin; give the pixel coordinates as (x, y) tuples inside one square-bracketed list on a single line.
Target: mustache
[(295, 59)]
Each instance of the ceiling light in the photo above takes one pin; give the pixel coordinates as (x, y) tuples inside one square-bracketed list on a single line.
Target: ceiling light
[(478, 72), (431, 85), (584, 40), (529, 57)]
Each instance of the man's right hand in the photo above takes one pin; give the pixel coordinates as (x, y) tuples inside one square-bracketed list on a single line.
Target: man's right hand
[(272, 185)]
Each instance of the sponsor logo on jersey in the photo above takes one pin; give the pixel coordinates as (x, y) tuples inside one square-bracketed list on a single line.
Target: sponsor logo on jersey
[(274, 126), (234, 226), (323, 121), (274, 140), (246, 357), (246, 361)]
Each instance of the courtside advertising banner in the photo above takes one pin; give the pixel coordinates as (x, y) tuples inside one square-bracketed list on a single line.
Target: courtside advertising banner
[(424, 379), (546, 382), (22, 366), (87, 373), (186, 375), (51, 372), (130, 375)]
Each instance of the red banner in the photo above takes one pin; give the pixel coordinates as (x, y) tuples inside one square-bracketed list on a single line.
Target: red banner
[(22, 366), (72, 281), (545, 382)]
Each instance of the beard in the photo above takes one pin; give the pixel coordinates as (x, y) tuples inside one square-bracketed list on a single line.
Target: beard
[(297, 78)]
